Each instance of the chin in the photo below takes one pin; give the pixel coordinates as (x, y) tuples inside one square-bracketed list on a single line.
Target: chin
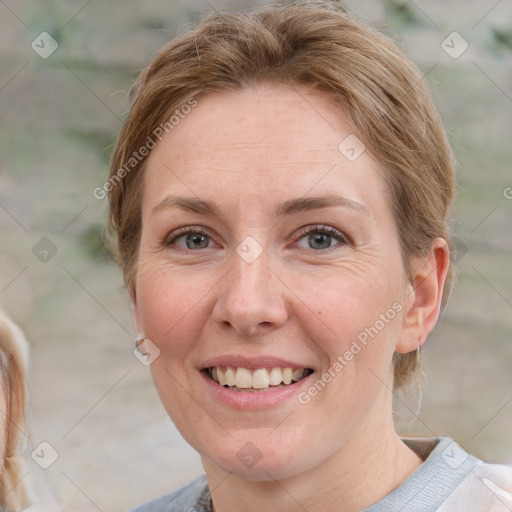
[(267, 469), (253, 457)]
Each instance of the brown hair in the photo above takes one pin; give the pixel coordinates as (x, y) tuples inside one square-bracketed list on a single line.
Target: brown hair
[(383, 94), (12, 381)]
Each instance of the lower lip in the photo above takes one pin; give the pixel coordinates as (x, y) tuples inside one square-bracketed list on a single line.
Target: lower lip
[(253, 400)]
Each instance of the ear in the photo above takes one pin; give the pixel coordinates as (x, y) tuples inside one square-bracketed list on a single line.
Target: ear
[(423, 302)]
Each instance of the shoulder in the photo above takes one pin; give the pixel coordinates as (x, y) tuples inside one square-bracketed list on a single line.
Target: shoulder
[(450, 480), (193, 496), (488, 487), (467, 483)]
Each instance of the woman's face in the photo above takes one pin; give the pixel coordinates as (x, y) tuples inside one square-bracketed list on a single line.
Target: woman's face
[(267, 245)]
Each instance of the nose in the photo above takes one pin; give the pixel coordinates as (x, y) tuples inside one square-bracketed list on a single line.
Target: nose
[(252, 298)]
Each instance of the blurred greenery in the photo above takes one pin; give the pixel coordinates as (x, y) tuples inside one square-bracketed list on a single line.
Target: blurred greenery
[(403, 14)]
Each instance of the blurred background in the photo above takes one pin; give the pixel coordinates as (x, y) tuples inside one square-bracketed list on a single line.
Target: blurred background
[(66, 67)]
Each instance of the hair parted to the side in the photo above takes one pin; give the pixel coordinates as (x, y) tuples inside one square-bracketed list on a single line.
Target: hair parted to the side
[(313, 45)]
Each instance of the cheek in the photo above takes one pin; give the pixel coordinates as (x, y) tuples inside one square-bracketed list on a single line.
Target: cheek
[(170, 305), (344, 307), (355, 322)]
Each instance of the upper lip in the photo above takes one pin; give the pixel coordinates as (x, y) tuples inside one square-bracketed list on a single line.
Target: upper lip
[(251, 363)]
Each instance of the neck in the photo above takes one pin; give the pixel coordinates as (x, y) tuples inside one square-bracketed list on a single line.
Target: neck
[(358, 475)]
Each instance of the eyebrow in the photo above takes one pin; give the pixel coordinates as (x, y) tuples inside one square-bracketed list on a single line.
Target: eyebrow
[(290, 207)]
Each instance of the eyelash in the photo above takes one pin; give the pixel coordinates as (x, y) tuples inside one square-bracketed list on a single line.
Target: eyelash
[(302, 232), (326, 230)]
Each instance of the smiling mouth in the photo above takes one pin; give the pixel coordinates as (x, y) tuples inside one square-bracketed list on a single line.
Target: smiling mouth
[(261, 379)]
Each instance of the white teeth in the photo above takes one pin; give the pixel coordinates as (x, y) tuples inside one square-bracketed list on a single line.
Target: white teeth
[(275, 377), (261, 378), (230, 376), (221, 376), (297, 375), (243, 378)]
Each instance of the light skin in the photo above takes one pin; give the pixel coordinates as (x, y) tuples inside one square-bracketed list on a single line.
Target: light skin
[(305, 298)]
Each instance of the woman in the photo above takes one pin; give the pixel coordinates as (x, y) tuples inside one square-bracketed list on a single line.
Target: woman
[(13, 357), (279, 203)]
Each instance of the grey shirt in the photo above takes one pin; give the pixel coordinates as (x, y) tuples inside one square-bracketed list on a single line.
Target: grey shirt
[(449, 480)]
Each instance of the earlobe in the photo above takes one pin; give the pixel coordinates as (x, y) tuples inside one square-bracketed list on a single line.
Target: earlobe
[(424, 297)]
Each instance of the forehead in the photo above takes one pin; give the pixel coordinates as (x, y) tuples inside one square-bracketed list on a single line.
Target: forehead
[(264, 142)]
